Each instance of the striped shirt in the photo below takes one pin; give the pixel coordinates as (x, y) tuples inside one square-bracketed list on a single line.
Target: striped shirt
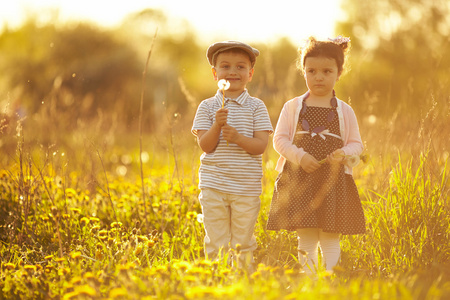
[(229, 168)]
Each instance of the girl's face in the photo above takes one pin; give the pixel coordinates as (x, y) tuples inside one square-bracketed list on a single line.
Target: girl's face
[(236, 68), (321, 74)]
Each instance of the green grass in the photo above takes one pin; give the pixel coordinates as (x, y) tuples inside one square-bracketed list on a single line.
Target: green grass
[(74, 226)]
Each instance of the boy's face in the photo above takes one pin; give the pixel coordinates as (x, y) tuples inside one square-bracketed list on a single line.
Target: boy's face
[(234, 67)]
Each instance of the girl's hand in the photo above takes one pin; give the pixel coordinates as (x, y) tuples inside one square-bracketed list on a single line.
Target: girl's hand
[(221, 117), (309, 163), (336, 157)]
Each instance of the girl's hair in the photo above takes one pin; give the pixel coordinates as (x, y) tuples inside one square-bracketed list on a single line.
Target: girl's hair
[(336, 49)]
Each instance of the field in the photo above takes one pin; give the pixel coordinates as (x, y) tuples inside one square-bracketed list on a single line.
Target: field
[(82, 220)]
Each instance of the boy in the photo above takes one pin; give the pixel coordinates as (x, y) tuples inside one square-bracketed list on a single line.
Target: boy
[(233, 139)]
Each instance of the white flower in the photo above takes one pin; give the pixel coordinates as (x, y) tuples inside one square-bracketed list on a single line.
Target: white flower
[(200, 218), (352, 160), (223, 84)]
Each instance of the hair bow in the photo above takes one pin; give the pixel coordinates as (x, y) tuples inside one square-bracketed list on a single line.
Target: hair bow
[(340, 40)]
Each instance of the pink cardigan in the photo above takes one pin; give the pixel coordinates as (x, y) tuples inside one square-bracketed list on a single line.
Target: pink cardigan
[(286, 128)]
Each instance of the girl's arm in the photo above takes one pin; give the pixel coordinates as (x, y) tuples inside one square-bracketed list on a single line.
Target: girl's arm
[(354, 145), (281, 139)]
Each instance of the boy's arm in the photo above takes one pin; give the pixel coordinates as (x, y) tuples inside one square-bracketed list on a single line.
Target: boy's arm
[(208, 139), (255, 145)]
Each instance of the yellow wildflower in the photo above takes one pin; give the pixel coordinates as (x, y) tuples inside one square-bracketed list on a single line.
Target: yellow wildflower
[(118, 293), (84, 221), (9, 266), (151, 243), (191, 215), (86, 290), (75, 210), (138, 250), (30, 268), (75, 255), (94, 219), (116, 224)]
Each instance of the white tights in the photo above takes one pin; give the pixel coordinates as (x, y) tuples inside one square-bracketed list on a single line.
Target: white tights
[(309, 240)]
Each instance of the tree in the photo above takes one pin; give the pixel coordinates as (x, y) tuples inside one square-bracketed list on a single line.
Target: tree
[(398, 55), (79, 67)]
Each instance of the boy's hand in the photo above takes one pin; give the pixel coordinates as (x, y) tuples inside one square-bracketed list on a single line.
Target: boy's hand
[(230, 134), (336, 157), (221, 117), (309, 163)]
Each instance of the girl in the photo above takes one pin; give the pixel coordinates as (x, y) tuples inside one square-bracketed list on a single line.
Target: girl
[(315, 193)]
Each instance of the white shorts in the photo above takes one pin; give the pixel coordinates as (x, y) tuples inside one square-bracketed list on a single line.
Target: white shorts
[(228, 220)]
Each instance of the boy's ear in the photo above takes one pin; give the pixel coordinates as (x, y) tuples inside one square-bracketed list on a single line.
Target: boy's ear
[(214, 73), (250, 75)]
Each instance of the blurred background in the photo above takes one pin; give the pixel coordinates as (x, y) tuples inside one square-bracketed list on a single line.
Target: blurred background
[(71, 71)]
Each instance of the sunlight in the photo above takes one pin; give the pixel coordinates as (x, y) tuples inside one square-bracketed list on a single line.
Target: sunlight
[(251, 21)]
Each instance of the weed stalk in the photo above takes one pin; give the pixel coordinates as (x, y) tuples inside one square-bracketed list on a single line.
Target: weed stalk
[(141, 108)]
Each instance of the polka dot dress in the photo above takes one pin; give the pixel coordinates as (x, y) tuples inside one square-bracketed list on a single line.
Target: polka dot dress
[(326, 198)]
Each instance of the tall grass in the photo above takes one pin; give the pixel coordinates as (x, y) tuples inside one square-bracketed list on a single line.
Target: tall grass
[(59, 237)]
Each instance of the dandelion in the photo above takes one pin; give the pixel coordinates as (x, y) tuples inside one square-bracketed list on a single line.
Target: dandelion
[(54, 210), (9, 266), (76, 280), (103, 234), (116, 224), (75, 255), (181, 265), (94, 219), (48, 257), (70, 193), (225, 272), (49, 268), (75, 210), (190, 278), (63, 271), (30, 268), (89, 275), (191, 215), (84, 221), (95, 228), (196, 271), (256, 275), (86, 290), (223, 85), (138, 250), (200, 218), (118, 293), (98, 254), (70, 295), (151, 243), (205, 263)]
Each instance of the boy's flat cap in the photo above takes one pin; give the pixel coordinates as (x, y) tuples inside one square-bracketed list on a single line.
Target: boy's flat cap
[(216, 48)]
